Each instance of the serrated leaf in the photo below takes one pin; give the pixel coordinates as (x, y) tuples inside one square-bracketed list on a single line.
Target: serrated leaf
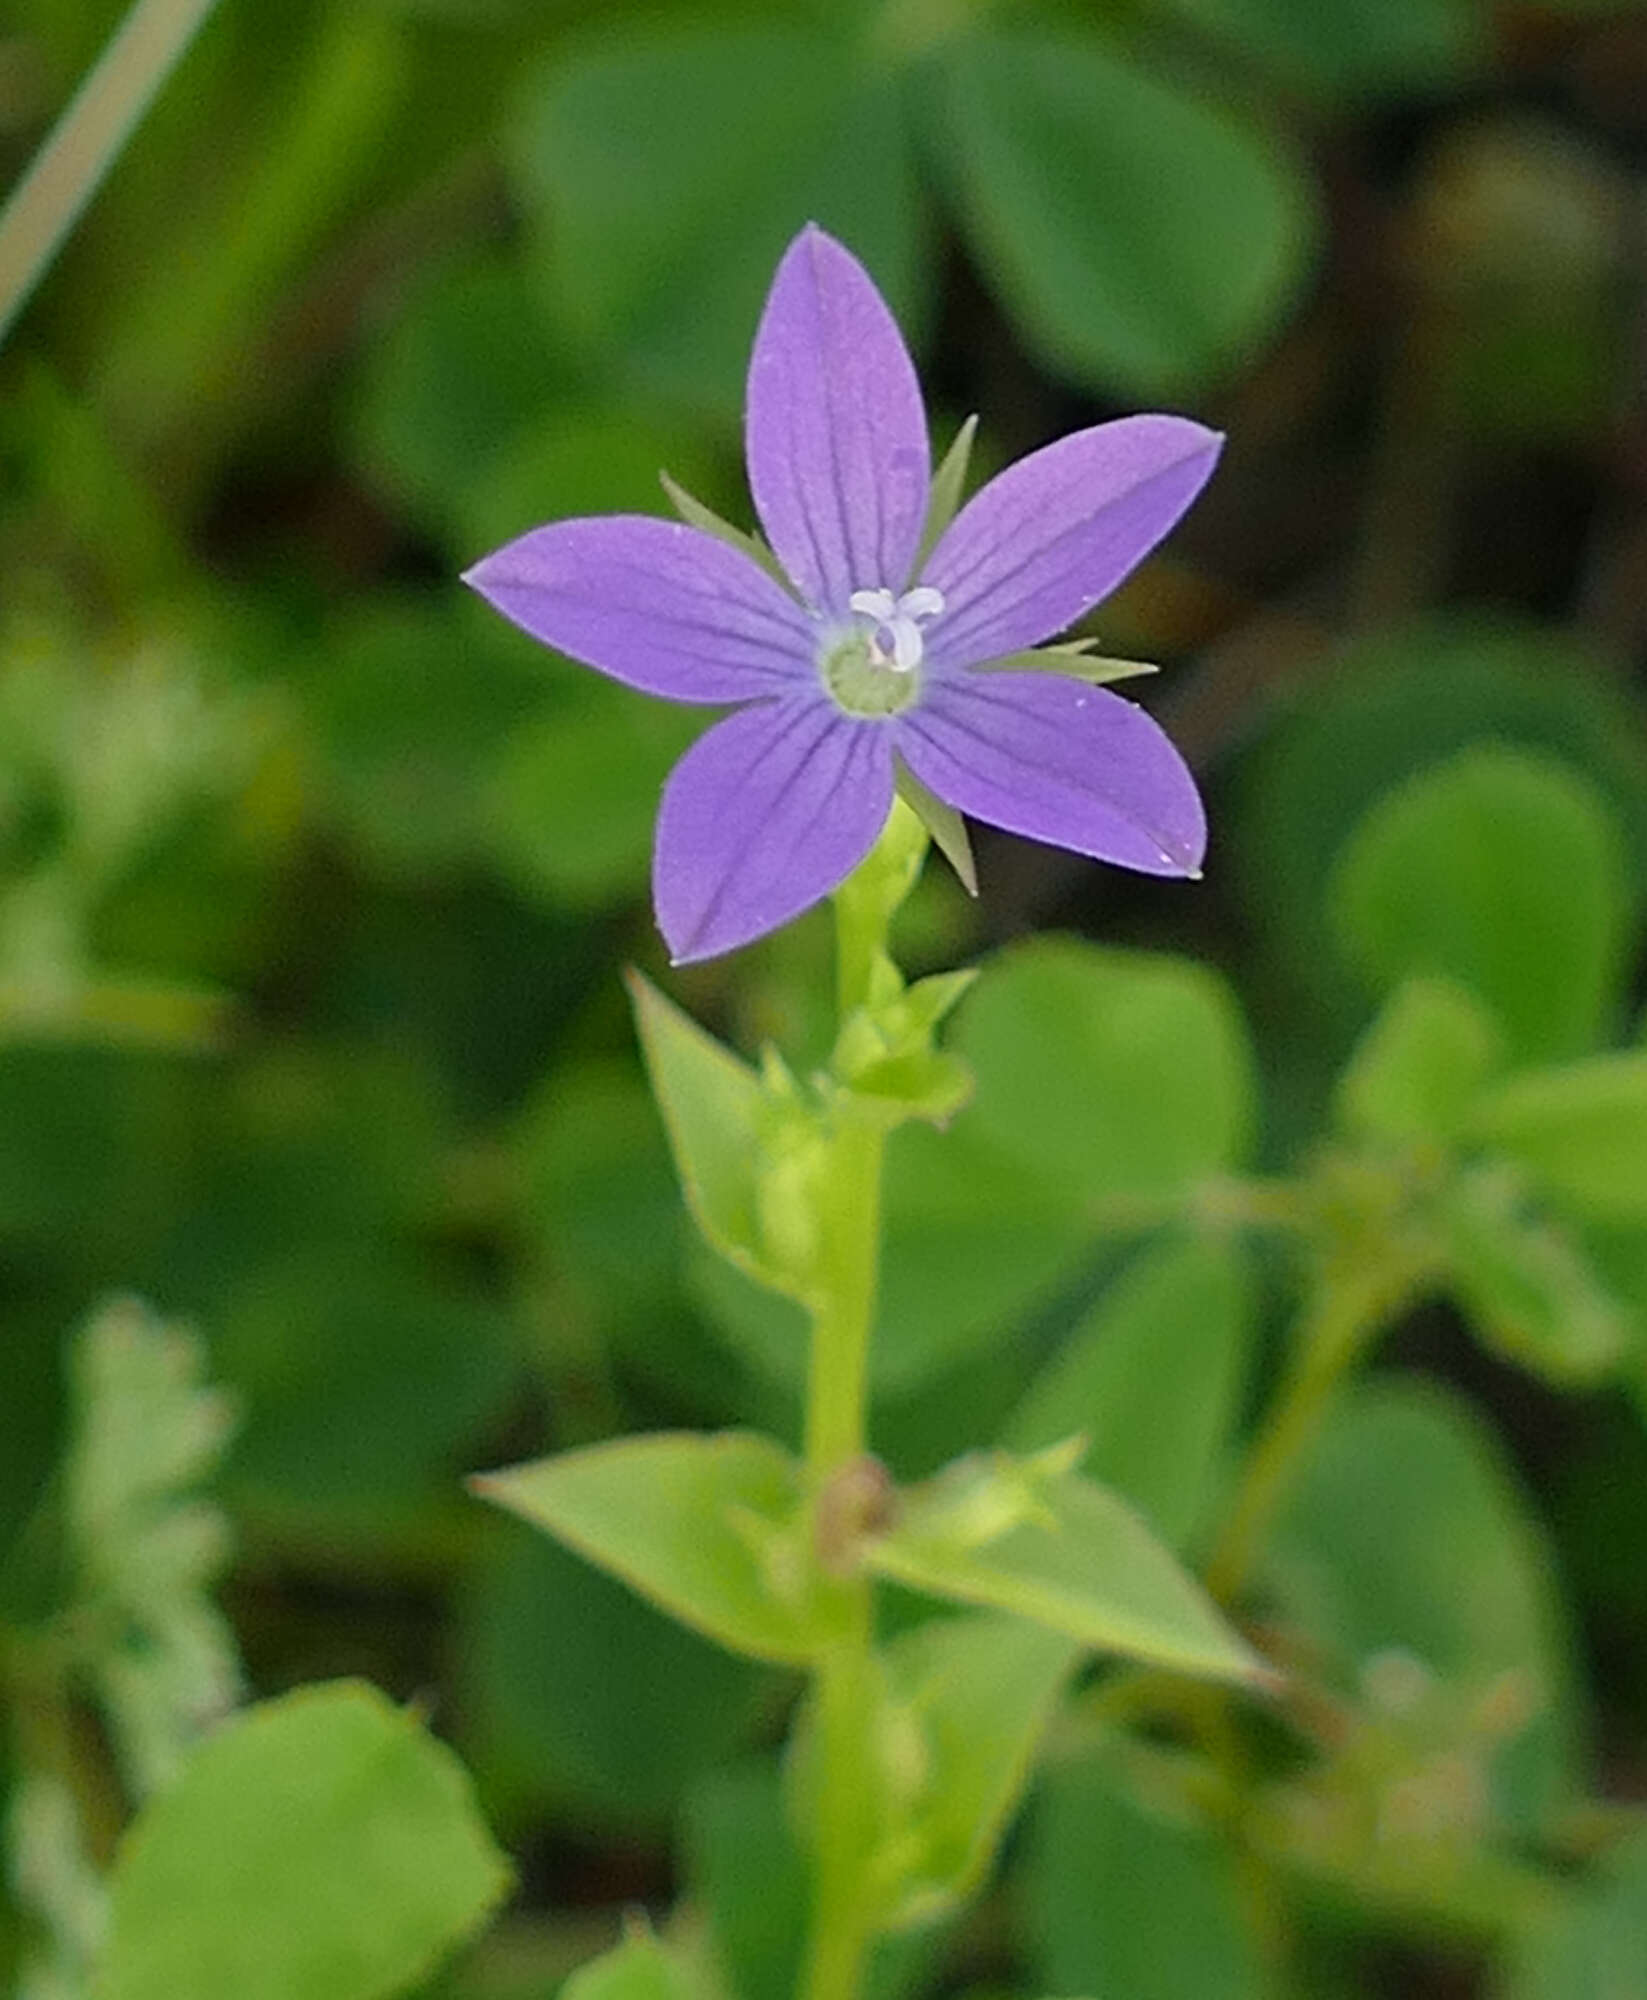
[(318, 1847), (1418, 1068), (1073, 1557), (710, 1528), (1581, 1129)]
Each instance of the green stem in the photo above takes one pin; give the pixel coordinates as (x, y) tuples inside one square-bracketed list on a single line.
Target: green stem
[(843, 1693), (86, 141), (1346, 1310)]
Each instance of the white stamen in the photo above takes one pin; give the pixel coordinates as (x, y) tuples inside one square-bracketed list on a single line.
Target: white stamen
[(897, 623)]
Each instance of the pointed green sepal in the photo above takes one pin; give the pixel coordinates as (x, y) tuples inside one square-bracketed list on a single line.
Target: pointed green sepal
[(1034, 1538), (696, 515), (944, 499), (942, 822), (1074, 657), (712, 1529)]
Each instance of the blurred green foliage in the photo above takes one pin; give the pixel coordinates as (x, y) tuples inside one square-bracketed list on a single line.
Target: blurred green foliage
[(316, 882)]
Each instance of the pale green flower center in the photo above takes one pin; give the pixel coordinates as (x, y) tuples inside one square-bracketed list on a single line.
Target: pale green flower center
[(873, 667)]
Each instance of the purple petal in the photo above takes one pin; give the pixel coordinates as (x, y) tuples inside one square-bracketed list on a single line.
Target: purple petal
[(1046, 539), (653, 603), (836, 436), (768, 811), (1053, 758)]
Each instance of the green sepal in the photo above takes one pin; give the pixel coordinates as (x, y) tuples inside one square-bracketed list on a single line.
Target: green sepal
[(696, 515), (1074, 657), (1031, 1537), (944, 498), (1421, 1065), (711, 1528), (942, 822)]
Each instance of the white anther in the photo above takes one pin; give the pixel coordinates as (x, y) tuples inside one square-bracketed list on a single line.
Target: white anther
[(897, 626)]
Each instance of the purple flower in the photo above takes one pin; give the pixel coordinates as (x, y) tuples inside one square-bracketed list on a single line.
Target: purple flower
[(859, 656)]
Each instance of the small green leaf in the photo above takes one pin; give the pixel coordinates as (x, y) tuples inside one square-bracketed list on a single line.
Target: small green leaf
[(942, 822), (944, 500), (711, 1528), (318, 1847), (713, 1109), (1144, 239), (1153, 1378), (1108, 1072), (975, 1695), (1581, 1129), (696, 515), (1044, 1544), (1421, 1064), (637, 1969), (1526, 1284), (1504, 872)]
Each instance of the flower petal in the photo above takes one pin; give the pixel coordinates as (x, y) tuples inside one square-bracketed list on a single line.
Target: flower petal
[(653, 603), (768, 811), (1047, 538), (836, 436), (1059, 761)]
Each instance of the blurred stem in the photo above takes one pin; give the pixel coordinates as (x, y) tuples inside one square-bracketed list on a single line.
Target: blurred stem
[(86, 141), (1345, 1311), (843, 1694)]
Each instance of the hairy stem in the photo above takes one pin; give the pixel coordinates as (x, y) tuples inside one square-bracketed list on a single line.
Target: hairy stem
[(86, 141)]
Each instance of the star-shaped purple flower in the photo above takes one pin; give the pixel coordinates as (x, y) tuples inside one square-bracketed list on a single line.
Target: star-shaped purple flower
[(869, 658)]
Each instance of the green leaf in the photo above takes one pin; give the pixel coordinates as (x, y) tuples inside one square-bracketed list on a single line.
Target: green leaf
[(637, 1969), (1129, 1898), (1108, 1072), (696, 515), (1025, 1537), (1352, 46), (1153, 1378), (580, 1698), (666, 170), (944, 499), (1581, 1129), (319, 1847), (973, 1696), (1145, 240), (1420, 1066), (710, 1528), (712, 1107), (1526, 1283), (1358, 1566), (1595, 1946), (1504, 872)]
